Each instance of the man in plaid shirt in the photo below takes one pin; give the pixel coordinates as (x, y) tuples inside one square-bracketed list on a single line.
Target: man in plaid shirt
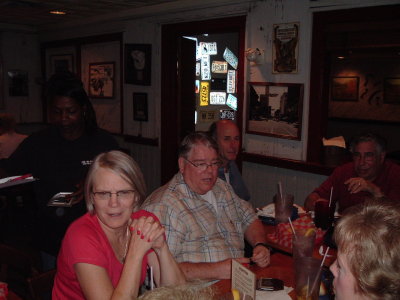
[(205, 221)]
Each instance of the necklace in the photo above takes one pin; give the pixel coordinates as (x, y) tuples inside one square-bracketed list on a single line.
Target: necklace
[(126, 244)]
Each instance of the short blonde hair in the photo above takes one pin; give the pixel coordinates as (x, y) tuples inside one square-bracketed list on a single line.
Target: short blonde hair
[(190, 291), (369, 235), (122, 165)]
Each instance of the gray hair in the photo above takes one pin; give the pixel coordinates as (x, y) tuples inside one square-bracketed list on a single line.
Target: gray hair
[(193, 139), (379, 141), (122, 165)]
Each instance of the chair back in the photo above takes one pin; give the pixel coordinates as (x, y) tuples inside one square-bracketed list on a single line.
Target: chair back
[(41, 285)]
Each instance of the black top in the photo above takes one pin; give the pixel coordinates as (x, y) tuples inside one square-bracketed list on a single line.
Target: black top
[(59, 165)]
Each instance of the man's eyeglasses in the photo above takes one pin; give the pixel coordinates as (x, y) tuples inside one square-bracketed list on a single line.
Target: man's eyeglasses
[(203, 166), (121, 195), (368, 156)]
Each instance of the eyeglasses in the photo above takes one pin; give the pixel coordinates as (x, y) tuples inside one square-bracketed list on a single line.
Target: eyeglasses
[(368, 156), (203, 166), (121, 195)]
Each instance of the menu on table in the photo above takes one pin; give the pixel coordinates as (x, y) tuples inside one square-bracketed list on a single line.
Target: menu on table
[(243, 280)]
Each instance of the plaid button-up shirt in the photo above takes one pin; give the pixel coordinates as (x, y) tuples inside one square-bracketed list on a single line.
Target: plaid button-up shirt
[(195, 231)]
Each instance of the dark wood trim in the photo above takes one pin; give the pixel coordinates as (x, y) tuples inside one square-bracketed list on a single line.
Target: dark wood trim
[(140, 140), (285, 163)]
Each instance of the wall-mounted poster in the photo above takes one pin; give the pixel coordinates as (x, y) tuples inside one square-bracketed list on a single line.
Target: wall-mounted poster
[(285, 48), (101, 80), (140, 107), (344, 88), (138, 64), (18, 83), (61, 63)]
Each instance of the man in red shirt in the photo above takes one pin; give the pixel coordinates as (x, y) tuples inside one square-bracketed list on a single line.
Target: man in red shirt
[(368, 175)]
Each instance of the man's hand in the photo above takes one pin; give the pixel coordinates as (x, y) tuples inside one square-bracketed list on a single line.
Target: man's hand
[(261, 256), (358, 184)]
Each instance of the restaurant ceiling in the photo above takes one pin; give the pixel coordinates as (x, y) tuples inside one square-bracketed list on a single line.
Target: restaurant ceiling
[(36, 12)]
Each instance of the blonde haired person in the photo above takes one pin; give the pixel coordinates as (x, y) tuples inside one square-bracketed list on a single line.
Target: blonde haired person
[(368, 261), (105, 253)]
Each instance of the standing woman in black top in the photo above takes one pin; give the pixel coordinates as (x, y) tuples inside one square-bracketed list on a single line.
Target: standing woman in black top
[(59, 157)]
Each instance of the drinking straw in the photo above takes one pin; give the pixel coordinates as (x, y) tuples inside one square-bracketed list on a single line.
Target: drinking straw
[(330, 197), (280, 189), (319, 271), (291, 225), (308, 286)]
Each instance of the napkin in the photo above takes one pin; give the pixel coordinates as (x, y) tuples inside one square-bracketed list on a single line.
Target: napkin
[(337, 141), (274, 295)]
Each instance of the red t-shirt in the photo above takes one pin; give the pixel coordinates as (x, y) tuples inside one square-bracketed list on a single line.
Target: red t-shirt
[(387, 180), (86, 242)]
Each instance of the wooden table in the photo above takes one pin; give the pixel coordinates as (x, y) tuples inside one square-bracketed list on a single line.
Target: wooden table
[(281, 267)]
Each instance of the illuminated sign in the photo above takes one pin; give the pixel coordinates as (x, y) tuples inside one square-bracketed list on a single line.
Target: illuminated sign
[(232, 102), (217, 98), (231, 82), (198, 69), (204, 91), (219, 67), (230, 58), (227, 114), (205, 68), (208, 48), (197, 86)]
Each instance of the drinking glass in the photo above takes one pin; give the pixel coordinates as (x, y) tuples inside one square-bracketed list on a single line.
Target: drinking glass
[(283, 208), (323, 214), (303, 243), (307, 271)]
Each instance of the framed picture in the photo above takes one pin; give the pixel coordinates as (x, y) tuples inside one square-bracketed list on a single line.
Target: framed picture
[(391, 91), (138, 64), (285, 46), (18, 83), (101, 80), (275, 109), (61, 63), (344, 88), (140, 107)]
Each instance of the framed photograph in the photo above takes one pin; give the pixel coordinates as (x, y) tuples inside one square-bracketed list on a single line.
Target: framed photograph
[(344, 88), (101, 80), (138, 64), (61, 63), (391, 91), (275, 109), (18, 83), (285, 46), (140, 107)]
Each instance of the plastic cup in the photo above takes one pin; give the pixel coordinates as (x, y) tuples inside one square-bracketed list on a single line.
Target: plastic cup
[(307, 278), (283, 208), (303, 243), (323, 214)]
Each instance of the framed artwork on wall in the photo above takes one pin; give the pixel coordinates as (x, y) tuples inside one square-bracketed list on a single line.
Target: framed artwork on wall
[(391, 91), (101, 80), (18, 83), (138, 64), (344, 88), (140, 107), (275, 109), (60, 63), (285, 46)]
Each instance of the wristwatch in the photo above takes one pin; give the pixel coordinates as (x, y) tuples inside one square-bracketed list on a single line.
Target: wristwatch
[(264, 245)]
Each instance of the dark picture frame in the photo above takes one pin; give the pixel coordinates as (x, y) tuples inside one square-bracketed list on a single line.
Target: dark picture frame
[(18, 83), (345, 88), (140, 107), (275, 109), (60, 63), (391, 90), (138, 64), (101, 79)]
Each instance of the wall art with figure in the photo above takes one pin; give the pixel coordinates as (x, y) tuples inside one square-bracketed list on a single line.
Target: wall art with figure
[(101, 80), (138, 64)]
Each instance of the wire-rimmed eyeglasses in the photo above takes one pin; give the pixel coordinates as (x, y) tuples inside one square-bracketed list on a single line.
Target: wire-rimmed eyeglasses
[(121, 195), (203, 165)]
